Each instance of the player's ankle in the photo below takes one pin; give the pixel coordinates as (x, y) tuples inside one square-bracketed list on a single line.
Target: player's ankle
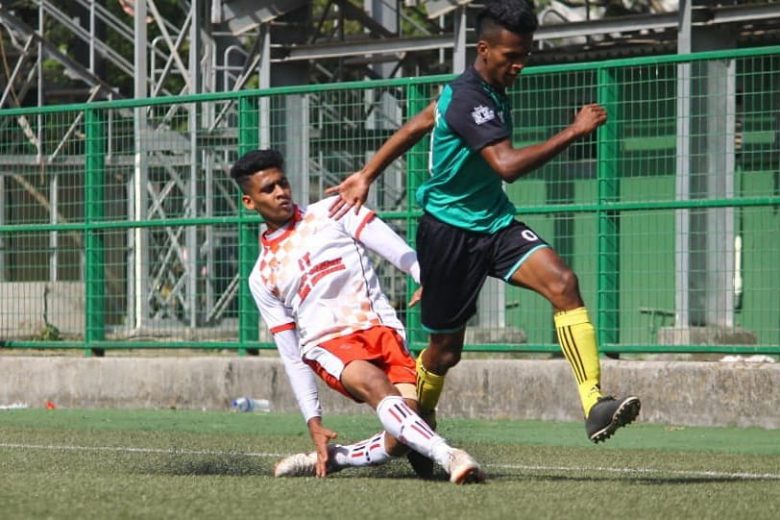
[(440, 453)]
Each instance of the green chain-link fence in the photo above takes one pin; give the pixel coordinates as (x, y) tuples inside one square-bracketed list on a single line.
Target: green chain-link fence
[(120, 227)]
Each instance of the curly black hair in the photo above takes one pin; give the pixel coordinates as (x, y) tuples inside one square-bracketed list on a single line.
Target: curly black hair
[(254, 161), (516, 16)]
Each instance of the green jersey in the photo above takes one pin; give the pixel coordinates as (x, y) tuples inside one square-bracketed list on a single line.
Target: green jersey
[(463, 190)]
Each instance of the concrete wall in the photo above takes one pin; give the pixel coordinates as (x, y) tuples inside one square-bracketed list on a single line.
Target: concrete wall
[(682, 393), (24, 304)]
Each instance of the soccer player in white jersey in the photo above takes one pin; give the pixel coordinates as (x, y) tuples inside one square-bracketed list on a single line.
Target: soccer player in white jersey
[(317, 291)]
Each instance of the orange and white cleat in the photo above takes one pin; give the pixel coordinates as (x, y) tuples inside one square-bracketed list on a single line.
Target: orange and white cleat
[(464, 469)]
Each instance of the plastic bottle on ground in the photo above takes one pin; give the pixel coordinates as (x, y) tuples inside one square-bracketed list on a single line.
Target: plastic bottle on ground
[(248, 404)]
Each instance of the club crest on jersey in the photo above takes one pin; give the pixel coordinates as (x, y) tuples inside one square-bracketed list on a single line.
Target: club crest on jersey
[(482, 114)]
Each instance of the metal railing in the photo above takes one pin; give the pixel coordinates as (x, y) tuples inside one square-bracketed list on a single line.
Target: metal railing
[(132, 235)]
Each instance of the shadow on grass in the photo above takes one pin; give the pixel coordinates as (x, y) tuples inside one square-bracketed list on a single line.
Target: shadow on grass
[(225, 465), (239, 464)]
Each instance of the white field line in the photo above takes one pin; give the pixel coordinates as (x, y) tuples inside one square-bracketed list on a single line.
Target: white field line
[(524, 467), (123, 449), (647, 471)]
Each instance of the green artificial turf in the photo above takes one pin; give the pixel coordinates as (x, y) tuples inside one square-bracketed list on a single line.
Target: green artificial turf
[(184, 464)]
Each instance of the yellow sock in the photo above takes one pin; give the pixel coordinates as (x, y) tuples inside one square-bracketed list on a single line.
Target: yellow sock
[(578, 343), (429, 387)]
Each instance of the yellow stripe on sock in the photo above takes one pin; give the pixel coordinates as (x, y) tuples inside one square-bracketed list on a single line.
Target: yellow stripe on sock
[(563, 342), (571, 354), (576, 354)]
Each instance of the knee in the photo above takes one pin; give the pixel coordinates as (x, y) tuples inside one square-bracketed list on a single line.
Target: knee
[(565, 289), (450, 358), (440, 360)]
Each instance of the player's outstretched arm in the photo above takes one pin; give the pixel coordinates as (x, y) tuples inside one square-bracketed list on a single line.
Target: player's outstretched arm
[(353, 191), (376, 235), (512, 163), (282, 325), (301, 377)]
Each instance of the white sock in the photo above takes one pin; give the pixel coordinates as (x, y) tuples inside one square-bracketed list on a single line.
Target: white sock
[(370, 452), (404, 424)]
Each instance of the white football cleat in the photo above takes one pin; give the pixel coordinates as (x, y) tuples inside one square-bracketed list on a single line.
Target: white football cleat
[(464, 469), (303, 465), (298, 465)]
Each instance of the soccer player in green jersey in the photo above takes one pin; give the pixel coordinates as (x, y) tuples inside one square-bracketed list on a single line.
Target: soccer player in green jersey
[(469, 231)]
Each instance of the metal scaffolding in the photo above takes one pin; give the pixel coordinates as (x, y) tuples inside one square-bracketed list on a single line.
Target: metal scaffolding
[(150, 48)]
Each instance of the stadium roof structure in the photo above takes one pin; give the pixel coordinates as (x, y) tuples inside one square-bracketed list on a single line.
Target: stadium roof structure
[(126, 48)]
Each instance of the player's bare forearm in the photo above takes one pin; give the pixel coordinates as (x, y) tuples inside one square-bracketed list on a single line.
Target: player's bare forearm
[(353, 191), (511, 163), (414, 300), (400, 142)]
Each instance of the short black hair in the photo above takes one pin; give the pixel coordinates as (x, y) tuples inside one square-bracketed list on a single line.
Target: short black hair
[(516, 16), (254, 161)]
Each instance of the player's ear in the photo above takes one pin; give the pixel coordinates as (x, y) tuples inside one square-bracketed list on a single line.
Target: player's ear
[(482, 47), (248, 202)]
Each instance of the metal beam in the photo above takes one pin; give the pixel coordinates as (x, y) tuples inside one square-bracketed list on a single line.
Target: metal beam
[(682, 177), (51, 50), (459, 42), (633, 23), (621, 24), (744, 13), (138, 239), (84, 35), (441, 7), (9, 87), (245, 15), (342, 49), (355, 13)]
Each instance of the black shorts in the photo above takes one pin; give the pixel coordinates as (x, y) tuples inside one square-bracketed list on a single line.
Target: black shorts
[(454, 264)]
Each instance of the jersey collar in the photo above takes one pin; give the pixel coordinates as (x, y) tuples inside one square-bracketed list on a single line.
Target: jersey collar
[(472, 71), (272, 240)]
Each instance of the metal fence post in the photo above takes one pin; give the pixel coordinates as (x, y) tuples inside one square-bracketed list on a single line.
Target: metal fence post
[(94, 254), (248, 138), (608, 290), (416, 167)]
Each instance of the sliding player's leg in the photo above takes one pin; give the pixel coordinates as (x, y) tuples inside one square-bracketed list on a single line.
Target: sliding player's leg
[(368, 383), (371, 366)]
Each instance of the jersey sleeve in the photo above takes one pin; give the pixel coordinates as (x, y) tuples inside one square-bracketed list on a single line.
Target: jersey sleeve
[(355, 224), (474, 116), (280, 321), (272, 310), (371, 231), (301, 377)]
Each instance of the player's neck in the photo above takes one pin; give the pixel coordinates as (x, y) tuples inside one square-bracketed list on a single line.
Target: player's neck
[(275, 226), (482, 73)]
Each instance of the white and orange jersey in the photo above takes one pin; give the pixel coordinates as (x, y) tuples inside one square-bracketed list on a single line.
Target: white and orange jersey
[(314, 274)]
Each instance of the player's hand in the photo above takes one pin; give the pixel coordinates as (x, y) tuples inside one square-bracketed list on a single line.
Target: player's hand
[(321, 436), (353, 192), (588, 119), (416, 297)]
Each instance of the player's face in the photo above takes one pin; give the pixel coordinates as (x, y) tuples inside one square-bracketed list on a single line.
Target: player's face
[(504, 54), (268, 193)]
